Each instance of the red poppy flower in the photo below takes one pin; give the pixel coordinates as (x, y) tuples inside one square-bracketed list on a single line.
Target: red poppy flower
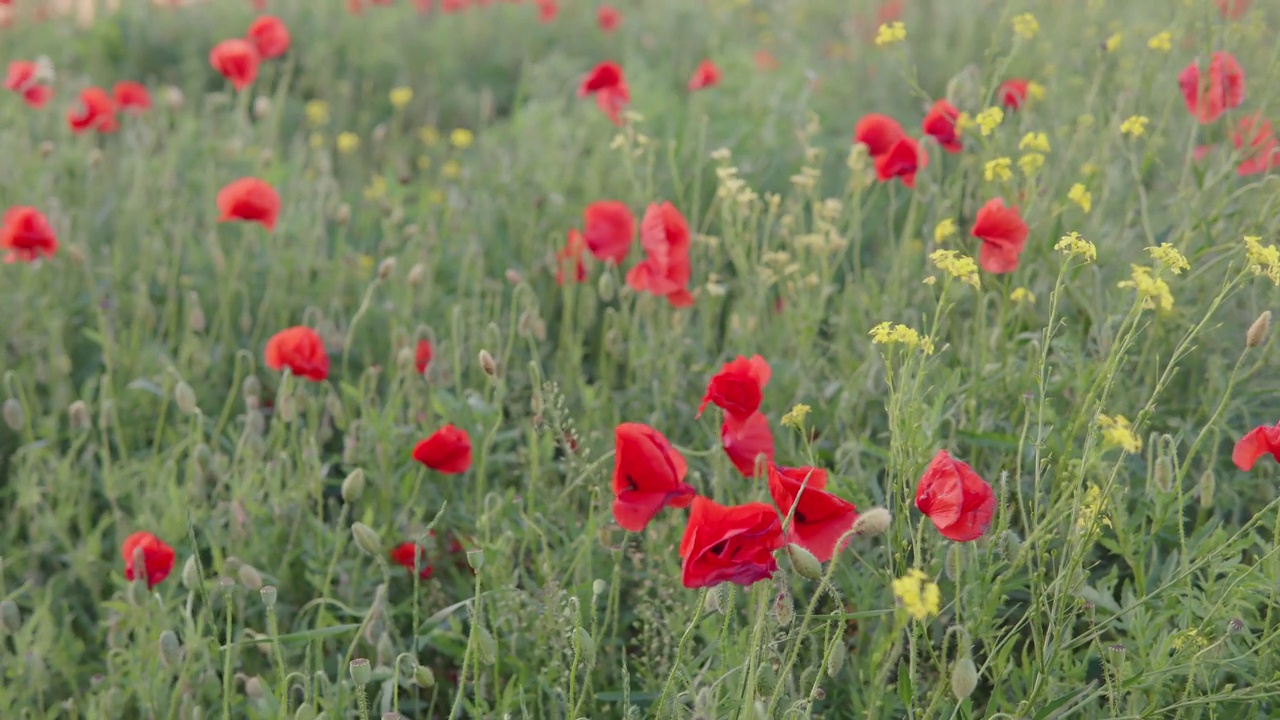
[(453, 6), (820, 518), (902, 161), (1253, 135), (547, 10), (1202, 151), (940, 123), (571, 255), (22, 77), (422, 355), (609, 18), (95, 111), (704, 76), (959, 503), (609, 228), (251, 200), (412, 556), (1256, 443), (665, 271), (1013, 93), (1232, 9), (236, 60), (765, 61), (648, 475), (889, 11), (157, 557), (354, 7), (131, 96), (1003, 234), (1220, 90), (300, 349), (269, 35), (738, 388), (448, 450), (729, 544), (880, 133), (25, 235), (746, 440), (422, 6), (607, 83)]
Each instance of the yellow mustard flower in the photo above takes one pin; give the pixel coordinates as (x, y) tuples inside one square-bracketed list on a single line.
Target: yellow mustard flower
[(998, 169), (1072, 245), (1035, 90), (943, 230), (376, 189), (1263, 259), (1081, 196), (1162, 41), (1093, 504), (348, 142), (887, 333), (461, 138), (918, 595), (1134, 125), (890, 33), (451, 169), (1026, 26), (317, 112), (429, 136), (795, 416), (1030, 163), (988, 120), (316, 140), (424, 162), (1117, 431), (1035, 141), (400, 97), (1170, 257), (1022, 295), (960, 267), (1152, 288), (1113, 43)]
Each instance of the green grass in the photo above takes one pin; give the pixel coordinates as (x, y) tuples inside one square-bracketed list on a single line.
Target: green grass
[(1111, 584)]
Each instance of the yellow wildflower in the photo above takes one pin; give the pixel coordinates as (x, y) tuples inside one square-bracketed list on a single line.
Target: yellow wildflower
[(461, 138), (1039, 142), (317, 112), (1134, 125), (1189, 639), (964, 122), (348, 142), (429, 136), (400, 97), (889, 334), (424, 162), (961, 267), (1162, 41), (988, 120), (998, 169), (1035, 90), (890, 33), (376, 189), (1169, 256), (1030, 163), (1263, 259), (1117, 431), (364, 266), (451, 169), (1113, 42), (1022, 295), (1081, 196), (1085, 121), (1093, 504), (943, 230), (918, 595), (1072, 245), (795, 416), (1153, 290), (1026, 26)]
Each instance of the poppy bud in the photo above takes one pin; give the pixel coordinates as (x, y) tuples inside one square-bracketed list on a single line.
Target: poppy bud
[(268, 595), (836, 656), (78, 415), (191, 574), (1010, 545), (804, 562), (954, 565), (964, 678), (386, 652), (305, 712), (1258, 331), (417, 275), (598, 587), (261, 107), (343, 214), (46, 149), (174, 98), (873, 522), (712, 603), (423, 676), (170, 649), (385, 268), (10, 617), (286, 407), (1205, 488), (250, 577), (1162, 474), (606, 287), (251, 388), (185, 397), (367, 539), (361, 671), (14, 416), (253, 688), (586, 646), (486, 645), (513, 276), (353, 486), (488, 364), (475, 559), (784, 610)]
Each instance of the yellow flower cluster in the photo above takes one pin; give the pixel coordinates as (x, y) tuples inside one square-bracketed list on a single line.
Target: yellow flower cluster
[(1092, 506), (1162, 41), (997, 169), (461, 138), (1113, 43), (348, 142), (429, 136), (1169, 256), (1022, 295), (1081, 196), (1117, 431), (795, 416), (890, 33), (400, 97), (943, 230), (918, 595), (317, 113), (1134, 125), (1030, 163), (1026, 26), (961, 267), (1263, 259), (1038, 142), (1153, 290), (988, 120), (1072, 245), (887, 333)]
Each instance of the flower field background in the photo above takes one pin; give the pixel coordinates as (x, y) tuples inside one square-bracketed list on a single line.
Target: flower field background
[(731, 359)]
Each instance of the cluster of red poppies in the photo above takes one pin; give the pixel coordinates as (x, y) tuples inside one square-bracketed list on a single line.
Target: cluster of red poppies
[(1208, 94), (96, 109), (547, 9), (237, 59), (608, 84), (608, 235)]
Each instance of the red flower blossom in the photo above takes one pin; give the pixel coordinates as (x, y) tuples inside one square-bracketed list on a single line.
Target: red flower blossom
[(354, 7), (571, 255), (131, 97), (880, 133), (609, 18), (607, 83), (745, 440), (1257, 442), (547, 10), (236, 60), (422, 355), (1202, 151), (412, 556), (251, 200), (765, 61), (300, 349), (1232, 9), (1003, 234), (959, 503), (738, 388), (269, 35), (820, 518), (422, 6), (1253, 135), (95, 111), (648, 475), (704, 76), (729, 544), (889, 11), (448, 450), (1220, 90), (902, 161), (665, 271), (22, 78), (25, 235), (157, 557), (940, 123), (1013, 93), (453, 6), (609, 228)]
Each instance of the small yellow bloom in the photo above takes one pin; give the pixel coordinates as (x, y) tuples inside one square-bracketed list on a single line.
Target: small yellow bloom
[(376, 189), (961, 267), (1169, 256), (317, 112), (429, 136), (890, 33), (1026, 26), (964, 122), (943, 230), (1263, 259), (1152, 288), (1162, 41), (316, 140), (348, 142), (1189, 639), (1134, 125), (461, 138), (1037, 142), (1030, 163), (1022, 295), (1093, 504), (364, 266), (1085, 121), (918, 595), (998, 169), (1035, 90), (988, 120), (795, 416), (1117, 431), (400, 97), (1072, 245), (889, 334), (1113, 42), (424, 162), (451, 169), (1081, 196)]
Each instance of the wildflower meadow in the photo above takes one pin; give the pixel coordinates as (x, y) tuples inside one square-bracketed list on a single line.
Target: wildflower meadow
[(564, 359)]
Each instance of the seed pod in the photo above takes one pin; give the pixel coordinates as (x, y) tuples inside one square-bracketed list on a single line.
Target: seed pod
[(1208, 483), (1258, 331), (10, 617), (191, 574), (361, 671), (14, 416), (170, 649), (423, 676), (185, 397), (353, 486), (804, 562), (268, 595), (475, 559), (367, 539), (250, 577), (78, 416), (964, 678), (488, 364)]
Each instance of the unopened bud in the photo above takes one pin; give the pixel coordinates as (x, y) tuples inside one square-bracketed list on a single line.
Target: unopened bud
[(361, 671), (253, 688), (385, 268), (475, 559), (353, 486), (78, 415), (964, 678), (367, 539), (1162, 474), (784, 609), (488, 364), (251, 387), (1205, 487), (513, 276), (487, 646), (423, 676), (954, 565), (174, 98), (185, 397), (417, 275), (873, 522), (14, 417), (268, 595), (1010, 545), (261, 107), (191, 574), (804, 562), (170, 649), (606, 287), (196, 319), (1258, 331), (305, 712), (836, 656), (386, 651), (46, 149), (586, 647), (598, 587), (10, 617), (250, 577), (343, 214)]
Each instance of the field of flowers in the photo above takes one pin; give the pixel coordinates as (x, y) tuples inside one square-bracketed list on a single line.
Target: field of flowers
[(674, 359)]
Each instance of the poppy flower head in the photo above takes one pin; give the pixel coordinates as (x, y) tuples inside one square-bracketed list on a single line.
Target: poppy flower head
[(738, 388), (300, 349), (236, 60), (1013, 92), (765, 61), (940, 124), (131, 97), (1003, 234), (665, 271), (609, 86), (1262, 440), (412, 556), (95, 111), (269, 35), (547, 10), (609, 18), (26, 236), (648, 475), (902, 161), (251, 200), (571, 256), (157, 558), (23, 77), (745, 440), (729, 544), (1254, 136), (422, 355), (880, 133), (704, 76), (1212, 93), (820, 519), (448, 450), (1232, 9), (609, 228), (958, 501)]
